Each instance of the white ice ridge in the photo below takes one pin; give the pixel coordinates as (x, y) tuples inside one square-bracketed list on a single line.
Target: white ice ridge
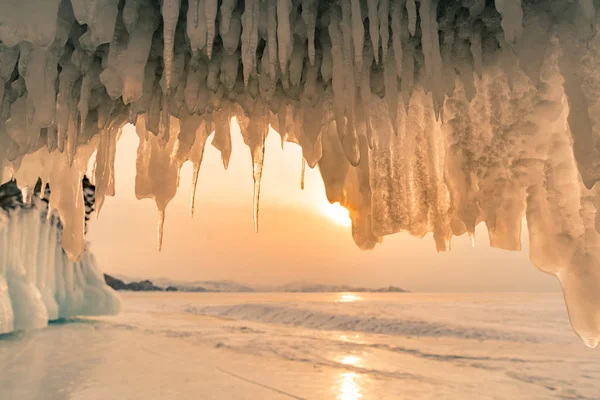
[(422, 115), (38, 281)]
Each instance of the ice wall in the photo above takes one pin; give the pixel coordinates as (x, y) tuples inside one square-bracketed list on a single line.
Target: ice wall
[(422, 115), (38, 281)]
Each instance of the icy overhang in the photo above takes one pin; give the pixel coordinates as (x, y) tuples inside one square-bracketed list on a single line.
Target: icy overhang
[(422, 116)]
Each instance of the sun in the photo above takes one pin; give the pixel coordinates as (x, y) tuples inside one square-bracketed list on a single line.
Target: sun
[(337, 213)]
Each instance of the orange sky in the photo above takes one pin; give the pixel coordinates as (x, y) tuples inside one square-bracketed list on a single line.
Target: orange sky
[(298, 239)]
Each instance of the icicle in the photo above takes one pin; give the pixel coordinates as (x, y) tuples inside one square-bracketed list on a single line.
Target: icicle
[(249, 38), (160, 227), (170, 12), (350, 144), (196, 25), (302, 173), (337, 54), (231, 40), (397, 29), (212, 80), (358, 33), (157, 174), (199, 131), (384, 26), (374, 26), (349, 73), (73, 133), (254, 34), (476, 8), (312, 92), (297, 64), (272, 38), (282, 128), (27, 194), (586, 7), (229, 70), (327, 63), (104, 173), (255, 134), (67, 78), (84, 98), (284, 33), (255, 201), (512, 19), (18, 23), (365, 94), (408, 73), (210, 13), (40, 82), (309, 15), (411, 8), (131, 14), (193, 191), (164, 126), (391, 89), (138, 50), (476, 49), (227, 7), (8, 60), (431, 52)]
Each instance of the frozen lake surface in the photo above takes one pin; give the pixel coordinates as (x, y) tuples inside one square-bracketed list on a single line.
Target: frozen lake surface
[(345, 346)]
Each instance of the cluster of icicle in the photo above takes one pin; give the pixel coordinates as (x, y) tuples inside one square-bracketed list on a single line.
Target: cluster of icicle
[(422, 115), (38, 281)]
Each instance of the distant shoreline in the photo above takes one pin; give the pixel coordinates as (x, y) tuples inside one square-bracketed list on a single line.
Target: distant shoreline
[(165, 285)]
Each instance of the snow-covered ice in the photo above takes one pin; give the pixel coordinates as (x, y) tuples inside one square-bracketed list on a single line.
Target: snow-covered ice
[(340, 346)]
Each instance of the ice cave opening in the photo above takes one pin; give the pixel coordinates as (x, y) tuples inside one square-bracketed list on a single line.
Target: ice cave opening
[(421, 116)]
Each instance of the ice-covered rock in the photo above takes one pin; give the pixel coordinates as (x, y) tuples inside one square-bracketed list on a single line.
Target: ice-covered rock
[(38, 281)]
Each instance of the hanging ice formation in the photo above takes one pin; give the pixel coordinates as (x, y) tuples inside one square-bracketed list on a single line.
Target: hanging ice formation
[(422, 115), (38, 281)]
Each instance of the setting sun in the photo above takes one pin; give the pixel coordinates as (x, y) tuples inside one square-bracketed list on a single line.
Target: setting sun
[(337, 213)]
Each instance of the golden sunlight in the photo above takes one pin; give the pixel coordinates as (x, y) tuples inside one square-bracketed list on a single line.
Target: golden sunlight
[(337, 213), (349, 388), (350, 360), (348, 298)]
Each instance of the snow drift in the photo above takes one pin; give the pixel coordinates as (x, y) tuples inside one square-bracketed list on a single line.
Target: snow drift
[(422, 115)]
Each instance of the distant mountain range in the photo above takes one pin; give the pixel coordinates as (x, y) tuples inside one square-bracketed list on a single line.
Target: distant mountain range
[(307, 287), (120, 282)]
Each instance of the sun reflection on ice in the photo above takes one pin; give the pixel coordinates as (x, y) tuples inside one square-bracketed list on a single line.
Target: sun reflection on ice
[(350, 360), (346, 338), (348, 298), (349, 389)]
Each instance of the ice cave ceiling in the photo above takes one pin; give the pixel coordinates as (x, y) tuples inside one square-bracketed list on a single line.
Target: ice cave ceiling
[(422, 116)]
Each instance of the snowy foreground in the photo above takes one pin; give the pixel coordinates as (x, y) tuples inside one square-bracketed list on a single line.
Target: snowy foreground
[(307, 346)]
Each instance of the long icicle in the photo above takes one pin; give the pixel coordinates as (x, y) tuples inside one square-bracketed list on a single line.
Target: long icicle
[(160, 227), (302, 173)]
